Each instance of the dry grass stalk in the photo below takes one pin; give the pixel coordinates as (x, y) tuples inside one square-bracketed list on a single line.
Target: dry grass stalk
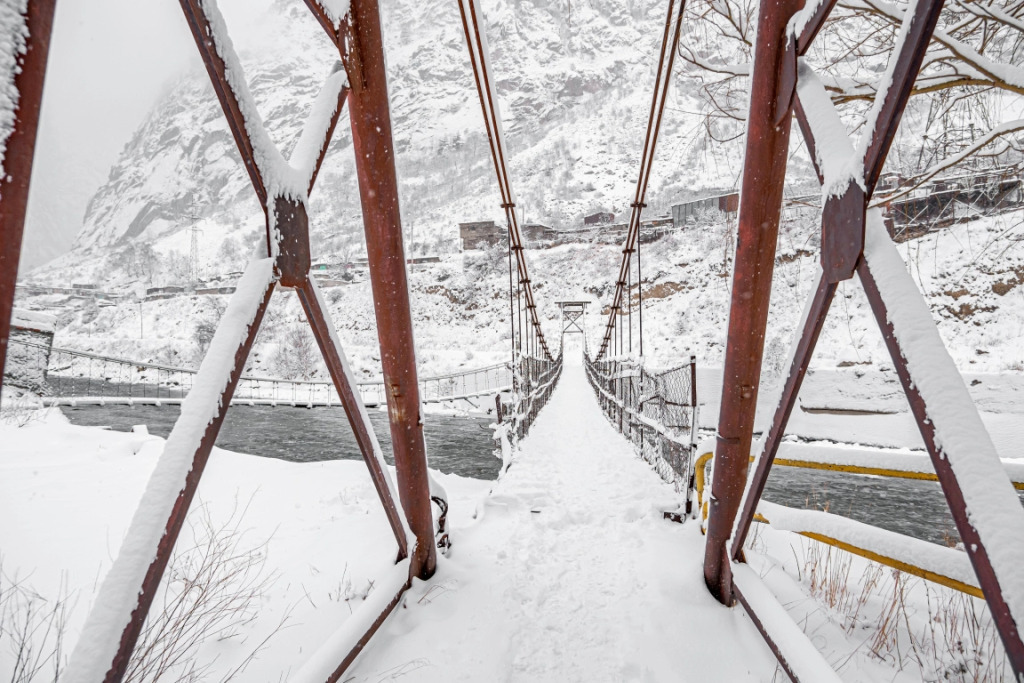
[(211, 592), (32, 630), (952, 638)]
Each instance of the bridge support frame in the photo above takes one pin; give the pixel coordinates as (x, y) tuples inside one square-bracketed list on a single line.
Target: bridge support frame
[(768, 128), (126, 596), (19, 152), (846, 251)]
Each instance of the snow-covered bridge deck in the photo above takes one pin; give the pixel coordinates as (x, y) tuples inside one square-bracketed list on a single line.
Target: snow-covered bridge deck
[(570, 573)]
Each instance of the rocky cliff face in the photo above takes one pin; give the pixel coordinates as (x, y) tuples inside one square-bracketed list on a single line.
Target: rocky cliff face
[(573, 79)]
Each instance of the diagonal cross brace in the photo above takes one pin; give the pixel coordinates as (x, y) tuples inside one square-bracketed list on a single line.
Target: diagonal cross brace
[(854, 240), (282, 189), (288, 221)]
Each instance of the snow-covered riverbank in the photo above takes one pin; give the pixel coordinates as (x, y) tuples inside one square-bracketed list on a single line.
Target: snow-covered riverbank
[(564, 570), (315, 532)]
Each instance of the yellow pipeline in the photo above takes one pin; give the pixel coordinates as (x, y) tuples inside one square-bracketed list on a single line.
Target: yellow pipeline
[(858, 469), (832, 467), (889, 562), (913, 570)]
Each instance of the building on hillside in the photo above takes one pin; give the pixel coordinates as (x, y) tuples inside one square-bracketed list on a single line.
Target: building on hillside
[(599, 218), (480, 232), (169, 292), (536, 233), (613, 234), (722, 206), (953, 199), (209, 291), (655, 229)]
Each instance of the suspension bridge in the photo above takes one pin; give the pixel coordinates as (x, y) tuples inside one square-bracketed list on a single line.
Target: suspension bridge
[(66, 377), (551, 555)]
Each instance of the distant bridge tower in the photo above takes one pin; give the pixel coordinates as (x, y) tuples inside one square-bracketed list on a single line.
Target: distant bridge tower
[(572, 316)]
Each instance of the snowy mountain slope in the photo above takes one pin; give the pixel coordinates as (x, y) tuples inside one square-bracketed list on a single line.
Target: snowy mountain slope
[(573, 83), (461, 309), (574, 88)]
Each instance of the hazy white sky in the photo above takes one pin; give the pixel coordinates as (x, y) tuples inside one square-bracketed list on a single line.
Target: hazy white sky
[(109, 61)]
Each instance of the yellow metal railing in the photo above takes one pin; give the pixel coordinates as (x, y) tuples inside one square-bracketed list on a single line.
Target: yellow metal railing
[(896, 563)]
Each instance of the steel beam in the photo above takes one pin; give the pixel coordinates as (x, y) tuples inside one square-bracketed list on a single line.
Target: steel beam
[(813, 325), (18, 155), (485, 89), (328, 135), (288, 243), (203, 34), (352, 403), (842, 253), (378, 191), (1008, 629), (155, 573), (894, 100), (768, 128)]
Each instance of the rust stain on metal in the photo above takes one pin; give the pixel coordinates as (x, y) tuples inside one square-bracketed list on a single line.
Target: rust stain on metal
[(760, 208), (19, 154)]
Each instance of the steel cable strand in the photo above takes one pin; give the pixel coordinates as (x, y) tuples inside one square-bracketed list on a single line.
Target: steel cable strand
[(476, 42), (662, 82)]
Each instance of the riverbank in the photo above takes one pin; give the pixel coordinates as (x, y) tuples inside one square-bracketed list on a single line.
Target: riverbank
[(313, 535)]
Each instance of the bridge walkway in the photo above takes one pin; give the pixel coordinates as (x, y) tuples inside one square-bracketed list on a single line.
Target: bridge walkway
[(570, 573)]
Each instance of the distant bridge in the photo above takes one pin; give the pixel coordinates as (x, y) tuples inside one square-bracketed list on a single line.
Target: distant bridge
[(65, 377)]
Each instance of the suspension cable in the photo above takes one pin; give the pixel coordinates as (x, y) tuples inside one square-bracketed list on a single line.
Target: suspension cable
[(476, 41), (629, 304), (511, 314), (666, 59), (640, 296)]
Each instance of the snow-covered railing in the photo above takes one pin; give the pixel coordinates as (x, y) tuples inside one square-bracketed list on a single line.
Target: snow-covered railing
[(656, 411), (77, 377), (535, 378), (945, 566), (936, 563), (879, 462)]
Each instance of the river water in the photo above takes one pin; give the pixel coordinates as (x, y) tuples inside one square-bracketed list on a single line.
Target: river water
[(464, 446), (455, 445)]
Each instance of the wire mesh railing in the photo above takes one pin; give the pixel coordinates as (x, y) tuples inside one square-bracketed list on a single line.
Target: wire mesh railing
[(65, 376), (535, 378), (657, 412)]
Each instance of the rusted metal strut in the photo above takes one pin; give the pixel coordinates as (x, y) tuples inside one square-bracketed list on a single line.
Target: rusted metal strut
[(663, 78), (358, 38), (18, 153), (760, 202), (479, 61), (780, 84)]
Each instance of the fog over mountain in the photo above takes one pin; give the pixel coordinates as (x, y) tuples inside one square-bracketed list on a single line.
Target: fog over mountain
[(574, 86), (109, 62)]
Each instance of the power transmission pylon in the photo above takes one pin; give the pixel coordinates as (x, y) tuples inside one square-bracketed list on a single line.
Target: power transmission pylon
[(193, 261)]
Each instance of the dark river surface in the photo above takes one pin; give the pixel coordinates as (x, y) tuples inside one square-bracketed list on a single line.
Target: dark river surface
[(464, 446), (455, 445)]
